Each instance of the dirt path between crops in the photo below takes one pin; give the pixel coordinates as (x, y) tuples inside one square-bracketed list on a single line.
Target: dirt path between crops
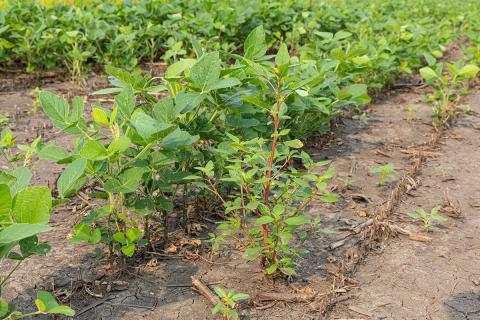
[(434, 279), (438, 280)]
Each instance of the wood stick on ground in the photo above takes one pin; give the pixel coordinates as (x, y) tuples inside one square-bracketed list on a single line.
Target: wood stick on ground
[(286, 297), (205, 291)]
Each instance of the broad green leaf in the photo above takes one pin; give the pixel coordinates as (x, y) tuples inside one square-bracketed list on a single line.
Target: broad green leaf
[(3, 308), (282, 56), (5, 203), (240, 297), (178, 67), (19, 231), (361, 60), (255, 46), (119, 237), (150, 129), (427, 73), (107, 91), (125, 101), (206, 71), (119, 144), (69, 178), (93, 150), (124, 76), (294, 143), (56, 108), (128, 250), (165, 110), (22, 175), (224, 83), (32, 205), (78, 110), (430, 59), (178, 138), (186, 101), (47, 303), (469, 71), (133, 234), (126, 182), (219, 291), (218, 308), (264, 220), (100, 117), (297, 221), (253, 253), (329, 198), (52, 152)]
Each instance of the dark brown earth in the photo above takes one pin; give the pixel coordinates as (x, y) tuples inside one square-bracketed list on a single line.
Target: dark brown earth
[(399, 279)]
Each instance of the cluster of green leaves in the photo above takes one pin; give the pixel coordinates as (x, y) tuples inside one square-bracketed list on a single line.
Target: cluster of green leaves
[(427, 218), (386, 171), (146, 151), (446, 80), (384, 37), (24, 214), (227, 305)]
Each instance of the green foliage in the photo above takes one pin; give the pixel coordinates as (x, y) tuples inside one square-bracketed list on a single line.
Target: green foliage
[(446, 80), (376, 40), (24, 214), (228, 304), (427, 218), (386, 171)]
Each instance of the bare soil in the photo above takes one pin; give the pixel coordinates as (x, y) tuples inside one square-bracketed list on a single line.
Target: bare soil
[(398, 279)]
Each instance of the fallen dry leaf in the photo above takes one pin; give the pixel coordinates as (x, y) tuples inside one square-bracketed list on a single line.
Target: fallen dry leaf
[(152, 263), (171, 249), (362, 213)]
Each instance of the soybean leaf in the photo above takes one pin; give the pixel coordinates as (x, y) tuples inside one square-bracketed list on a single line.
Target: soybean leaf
[(255, 46), (68, 181), (469, 71), (119, 144), (149, 128), (125, 101), (427, 73), (22, 179), (56, 108), (46, 303), (186, 101), (126, 182), (5, 203), (206, 71), (264, 220), (297, 221), (93, 150), (178, 138), (33, 205), (19, 231), (282, 56), (52, 152)]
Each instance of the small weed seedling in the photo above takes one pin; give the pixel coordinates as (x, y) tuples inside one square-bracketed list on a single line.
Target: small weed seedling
[(427, 218), (411, 111), (229, 303), (36, 102), (386, 171), (4, 119)]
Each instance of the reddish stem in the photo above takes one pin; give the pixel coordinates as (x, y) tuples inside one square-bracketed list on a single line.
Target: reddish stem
[(266, 194)]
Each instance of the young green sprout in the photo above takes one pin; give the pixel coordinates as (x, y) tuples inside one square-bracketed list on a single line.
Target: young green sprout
[(386, 171), (411, 111), (228, 303), (36, 103), (427, 218)]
